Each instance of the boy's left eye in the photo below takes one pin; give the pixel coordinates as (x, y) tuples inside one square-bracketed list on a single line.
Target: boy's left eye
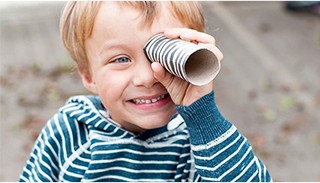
[(122, 60)]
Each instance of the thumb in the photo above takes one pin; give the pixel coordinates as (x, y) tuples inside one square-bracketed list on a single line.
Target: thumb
[(164, 77), (174, 85)]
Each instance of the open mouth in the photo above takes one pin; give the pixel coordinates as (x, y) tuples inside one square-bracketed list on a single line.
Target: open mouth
[(149, 101)]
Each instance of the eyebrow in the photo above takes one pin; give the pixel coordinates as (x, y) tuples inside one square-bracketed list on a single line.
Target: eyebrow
[(109, 45)]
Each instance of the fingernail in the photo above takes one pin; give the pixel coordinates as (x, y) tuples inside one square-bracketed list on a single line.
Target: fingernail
[(167, 31), (186, 34)]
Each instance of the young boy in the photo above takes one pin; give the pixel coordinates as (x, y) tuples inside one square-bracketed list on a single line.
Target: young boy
[(143, 124)]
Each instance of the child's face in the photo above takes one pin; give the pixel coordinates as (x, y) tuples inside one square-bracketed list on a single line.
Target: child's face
[(120, 72)]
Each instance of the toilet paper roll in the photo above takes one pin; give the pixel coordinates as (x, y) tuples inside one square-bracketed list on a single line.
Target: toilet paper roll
[(192, 62)]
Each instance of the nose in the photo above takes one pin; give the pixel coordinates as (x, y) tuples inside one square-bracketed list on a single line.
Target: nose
[(143, 75)]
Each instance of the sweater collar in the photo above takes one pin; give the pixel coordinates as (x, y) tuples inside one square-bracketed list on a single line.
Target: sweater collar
[(90, 111)]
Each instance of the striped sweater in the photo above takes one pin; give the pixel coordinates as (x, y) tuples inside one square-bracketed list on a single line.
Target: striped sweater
[(82, 143)]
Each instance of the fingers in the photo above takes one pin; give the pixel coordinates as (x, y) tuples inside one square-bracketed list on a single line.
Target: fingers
[(196, 37), (190, 35)]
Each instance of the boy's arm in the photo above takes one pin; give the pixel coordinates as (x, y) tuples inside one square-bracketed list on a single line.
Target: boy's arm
[(220, 152)]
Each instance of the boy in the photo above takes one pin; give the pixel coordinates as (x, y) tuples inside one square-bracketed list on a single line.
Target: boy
[(144, 124)]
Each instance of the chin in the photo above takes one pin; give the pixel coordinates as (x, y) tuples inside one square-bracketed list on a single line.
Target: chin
[(155, 122)]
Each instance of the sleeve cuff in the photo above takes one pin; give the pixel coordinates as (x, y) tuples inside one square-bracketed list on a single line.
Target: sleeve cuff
[(203, 119)]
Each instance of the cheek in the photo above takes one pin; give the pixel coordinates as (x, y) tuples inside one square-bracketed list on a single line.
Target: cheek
[(112, 85)]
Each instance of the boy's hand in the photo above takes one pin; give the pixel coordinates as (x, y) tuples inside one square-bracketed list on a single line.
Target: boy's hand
[(182, 92)]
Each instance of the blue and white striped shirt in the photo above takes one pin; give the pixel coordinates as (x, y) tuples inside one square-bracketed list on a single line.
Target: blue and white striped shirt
[(81, 143)]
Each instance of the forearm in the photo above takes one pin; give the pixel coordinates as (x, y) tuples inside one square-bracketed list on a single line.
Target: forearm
[(220, 152)]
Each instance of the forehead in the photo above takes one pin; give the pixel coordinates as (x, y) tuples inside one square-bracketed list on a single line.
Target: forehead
[(118, 27), (142, 15)]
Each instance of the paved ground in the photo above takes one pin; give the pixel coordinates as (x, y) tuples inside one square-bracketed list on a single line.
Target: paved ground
[(268, 86)]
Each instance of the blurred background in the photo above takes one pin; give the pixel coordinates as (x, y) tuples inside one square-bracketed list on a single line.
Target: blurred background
[(268, 85)]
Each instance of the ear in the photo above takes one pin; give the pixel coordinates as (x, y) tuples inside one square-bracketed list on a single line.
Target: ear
[(88, 81)]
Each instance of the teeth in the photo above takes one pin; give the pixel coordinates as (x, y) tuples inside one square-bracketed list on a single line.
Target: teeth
[(148, 101)]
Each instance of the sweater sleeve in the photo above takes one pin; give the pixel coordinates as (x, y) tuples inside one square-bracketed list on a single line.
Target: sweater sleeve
[(220, 152)]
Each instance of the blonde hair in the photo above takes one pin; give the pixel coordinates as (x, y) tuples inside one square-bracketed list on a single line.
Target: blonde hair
[(78, 17)]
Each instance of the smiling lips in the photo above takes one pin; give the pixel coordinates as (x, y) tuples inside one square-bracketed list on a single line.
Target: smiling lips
[(148, 101)]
